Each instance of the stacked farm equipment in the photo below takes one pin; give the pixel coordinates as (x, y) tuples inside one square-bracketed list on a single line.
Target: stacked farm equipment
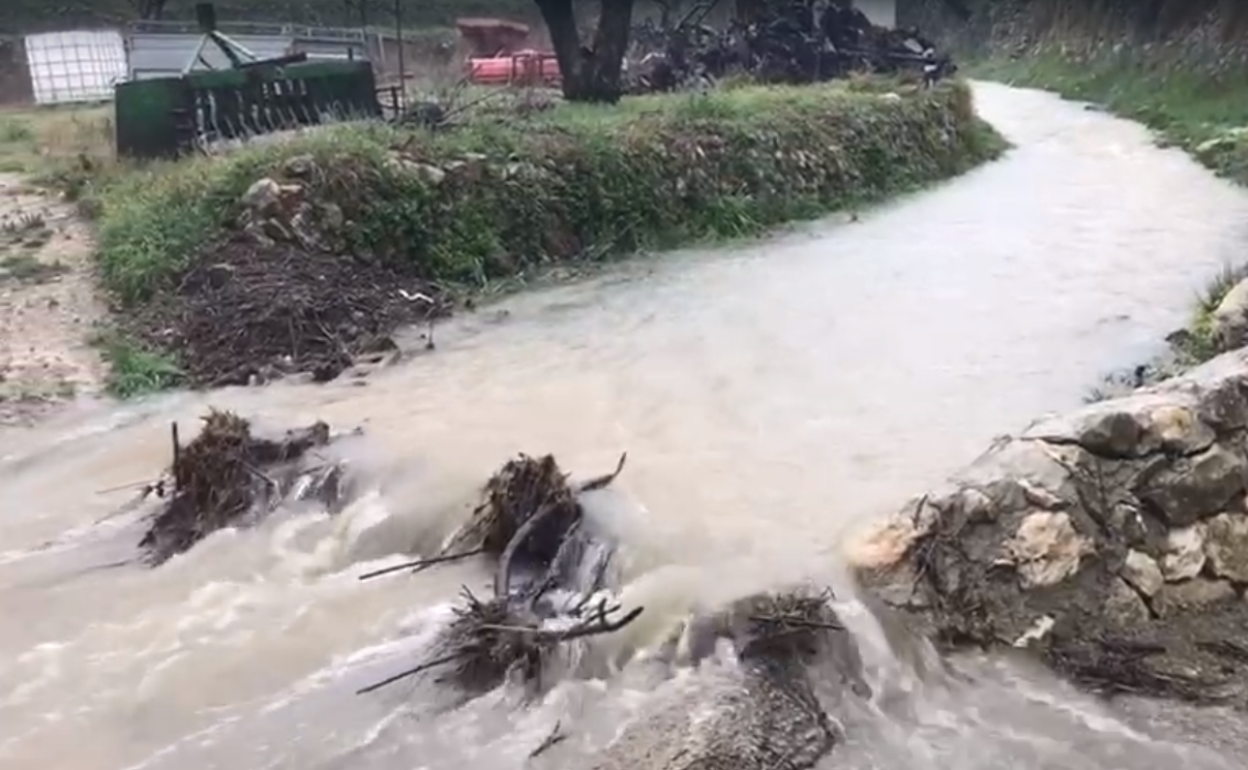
[(498, 53), (170, 116), (798, 41)]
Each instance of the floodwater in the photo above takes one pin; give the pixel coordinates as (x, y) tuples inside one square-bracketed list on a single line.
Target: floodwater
[(771, 397)]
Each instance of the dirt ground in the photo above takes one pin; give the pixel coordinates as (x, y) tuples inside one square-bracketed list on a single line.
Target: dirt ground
[(49, 305)]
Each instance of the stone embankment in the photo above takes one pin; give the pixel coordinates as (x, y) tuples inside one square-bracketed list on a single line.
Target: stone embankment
[(1112, 541)]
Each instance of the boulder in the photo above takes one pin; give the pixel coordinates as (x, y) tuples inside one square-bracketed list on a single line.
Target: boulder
[(1193, 597), (1185, 554), (761, 713), (738, 718), (1046, 549), (267, 198), (1226, 546), (1142, 573), (300, 167), (1135, 426), (1229, 320), (1111, 541), (1188, 489)]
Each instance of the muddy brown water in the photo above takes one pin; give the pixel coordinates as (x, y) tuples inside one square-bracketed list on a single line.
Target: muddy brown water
[(771, 396)]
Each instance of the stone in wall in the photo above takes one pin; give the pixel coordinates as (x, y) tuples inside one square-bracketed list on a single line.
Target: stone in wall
[(1229, 320), (1113, 541)]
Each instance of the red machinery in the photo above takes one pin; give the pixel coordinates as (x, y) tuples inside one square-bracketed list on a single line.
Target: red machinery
[(497, 54)]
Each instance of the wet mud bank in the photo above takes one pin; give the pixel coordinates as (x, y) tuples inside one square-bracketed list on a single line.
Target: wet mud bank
[(1112, 542)]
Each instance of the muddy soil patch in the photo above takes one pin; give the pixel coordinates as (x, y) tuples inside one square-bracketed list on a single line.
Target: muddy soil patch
[(248, 312), (48, 304)]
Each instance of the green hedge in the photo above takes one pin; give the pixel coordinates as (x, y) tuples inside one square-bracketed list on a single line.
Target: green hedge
[(506, 195)]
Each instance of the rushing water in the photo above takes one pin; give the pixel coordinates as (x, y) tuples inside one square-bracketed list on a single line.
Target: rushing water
[(771, 396)]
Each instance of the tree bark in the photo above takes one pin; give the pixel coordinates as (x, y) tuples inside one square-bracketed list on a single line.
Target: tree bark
[(151, 10), (589, 73)]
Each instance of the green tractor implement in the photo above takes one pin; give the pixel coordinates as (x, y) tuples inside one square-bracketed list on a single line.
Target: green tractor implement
[(166, 117)]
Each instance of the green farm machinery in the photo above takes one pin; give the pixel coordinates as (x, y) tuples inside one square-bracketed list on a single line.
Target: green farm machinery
[(166, 117)]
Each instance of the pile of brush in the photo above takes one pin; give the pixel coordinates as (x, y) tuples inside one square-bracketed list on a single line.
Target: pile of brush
[(530, 524), (227, 476)]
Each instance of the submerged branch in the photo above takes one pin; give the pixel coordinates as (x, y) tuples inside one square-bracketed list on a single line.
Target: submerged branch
[(420, 564), (602, 481), (405, 674), (502, 577)]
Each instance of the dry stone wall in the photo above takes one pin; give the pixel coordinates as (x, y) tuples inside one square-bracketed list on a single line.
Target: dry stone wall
[(1113, 541)]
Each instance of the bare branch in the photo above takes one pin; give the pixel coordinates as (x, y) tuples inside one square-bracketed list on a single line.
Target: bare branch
[(405, 674), (502, 577), (592, 629), (556, 737), (420, 564), (602, 481)]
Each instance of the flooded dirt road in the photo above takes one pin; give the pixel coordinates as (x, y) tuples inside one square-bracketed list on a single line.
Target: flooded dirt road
[(771, 396)]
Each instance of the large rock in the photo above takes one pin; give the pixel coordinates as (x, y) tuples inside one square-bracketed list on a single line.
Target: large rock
[(1226, 546), (1193, 597), (760, 714), (1185, 554), (739, 718), (1229, 320), (1113, 541), (1046, 549), (1142, 573), (1191, 488)]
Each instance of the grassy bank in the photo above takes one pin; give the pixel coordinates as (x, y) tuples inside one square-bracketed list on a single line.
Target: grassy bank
[(1191, 104), (489, 200), (507, 195)]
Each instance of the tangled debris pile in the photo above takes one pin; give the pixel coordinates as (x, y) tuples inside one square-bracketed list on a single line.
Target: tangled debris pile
[(799, 41), (789, 626), (226, 474), (248, 313), (532, 524), (760, 714), (283, 295)]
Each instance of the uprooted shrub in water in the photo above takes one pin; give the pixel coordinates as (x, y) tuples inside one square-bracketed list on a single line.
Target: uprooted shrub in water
[(225, 473), (531, 525)]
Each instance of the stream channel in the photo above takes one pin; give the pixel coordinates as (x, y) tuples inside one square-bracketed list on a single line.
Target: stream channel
[(772, 397)]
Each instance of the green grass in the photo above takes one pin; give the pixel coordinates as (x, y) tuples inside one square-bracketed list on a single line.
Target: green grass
[(56, 145), (135, 370), (1198, 105), (570, 184)]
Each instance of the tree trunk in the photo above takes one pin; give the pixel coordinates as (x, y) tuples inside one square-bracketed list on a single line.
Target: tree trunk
[(151, 10), (590, 74)]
